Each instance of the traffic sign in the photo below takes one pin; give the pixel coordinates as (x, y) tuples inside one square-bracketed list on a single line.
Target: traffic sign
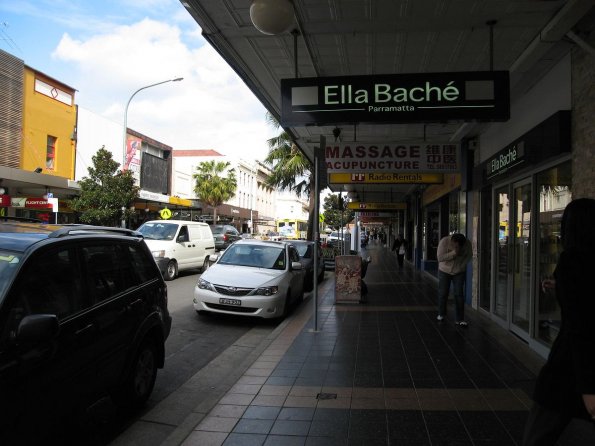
[(165, 213)]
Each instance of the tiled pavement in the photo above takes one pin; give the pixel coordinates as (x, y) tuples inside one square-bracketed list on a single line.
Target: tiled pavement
[(381, 373)]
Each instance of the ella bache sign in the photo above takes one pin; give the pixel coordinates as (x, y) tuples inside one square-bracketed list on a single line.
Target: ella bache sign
[(396, 98)]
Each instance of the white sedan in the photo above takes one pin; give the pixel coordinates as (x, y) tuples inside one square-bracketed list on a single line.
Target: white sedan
[(252, 278)]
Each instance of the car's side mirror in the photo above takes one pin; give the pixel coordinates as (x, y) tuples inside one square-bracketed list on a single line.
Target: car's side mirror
[(296, 266), (37, 327)]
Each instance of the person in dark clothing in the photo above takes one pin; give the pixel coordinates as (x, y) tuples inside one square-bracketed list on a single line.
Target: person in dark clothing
[(565, 387), (400, 246)]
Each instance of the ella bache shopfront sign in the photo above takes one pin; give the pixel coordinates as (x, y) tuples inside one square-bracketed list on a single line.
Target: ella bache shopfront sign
[(396, 98)]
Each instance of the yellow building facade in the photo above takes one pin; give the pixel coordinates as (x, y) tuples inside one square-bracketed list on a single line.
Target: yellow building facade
[(49, 126)]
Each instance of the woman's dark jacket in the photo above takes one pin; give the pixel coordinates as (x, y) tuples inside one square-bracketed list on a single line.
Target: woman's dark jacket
[(570, 369)]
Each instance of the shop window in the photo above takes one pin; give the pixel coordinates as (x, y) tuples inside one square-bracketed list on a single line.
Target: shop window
[(554, 190), (457, 212), (50, 152)]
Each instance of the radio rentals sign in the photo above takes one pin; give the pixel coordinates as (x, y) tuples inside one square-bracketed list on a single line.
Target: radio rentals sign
[(416, 157)]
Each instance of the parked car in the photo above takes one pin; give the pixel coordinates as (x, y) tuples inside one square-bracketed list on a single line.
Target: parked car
[(224, 236), (252, 278), (83, 314), (306, 251), (178, 245), (334, 238)]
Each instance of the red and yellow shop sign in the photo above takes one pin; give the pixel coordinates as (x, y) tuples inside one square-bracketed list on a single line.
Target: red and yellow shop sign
[(358, 205), (385, 178), (30, 202)]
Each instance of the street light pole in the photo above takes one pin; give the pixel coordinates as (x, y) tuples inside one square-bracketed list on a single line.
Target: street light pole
[(126, 114)]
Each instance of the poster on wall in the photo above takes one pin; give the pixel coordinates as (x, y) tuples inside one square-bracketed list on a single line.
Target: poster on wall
[(132, 161)]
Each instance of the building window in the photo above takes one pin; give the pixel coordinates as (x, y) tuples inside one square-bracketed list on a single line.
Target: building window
[(50, 153)]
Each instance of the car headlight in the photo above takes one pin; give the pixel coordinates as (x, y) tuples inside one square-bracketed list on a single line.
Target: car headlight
[(266, 291), (204, 285), (158, 254)]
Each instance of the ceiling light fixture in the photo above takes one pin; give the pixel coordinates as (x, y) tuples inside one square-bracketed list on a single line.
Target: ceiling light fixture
[(272, 16)]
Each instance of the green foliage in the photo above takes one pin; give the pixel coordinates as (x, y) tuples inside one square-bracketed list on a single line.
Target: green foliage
[(336, 214), (105, 191), (212, 188), (290, 169)]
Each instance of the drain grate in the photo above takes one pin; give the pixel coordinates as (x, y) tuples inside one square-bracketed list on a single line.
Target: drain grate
[(326, 396)]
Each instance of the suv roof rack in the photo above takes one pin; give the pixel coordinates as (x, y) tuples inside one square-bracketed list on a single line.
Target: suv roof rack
[(74, 229)]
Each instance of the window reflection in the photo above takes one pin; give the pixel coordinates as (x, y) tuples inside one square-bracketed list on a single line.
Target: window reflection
[(554, 194)]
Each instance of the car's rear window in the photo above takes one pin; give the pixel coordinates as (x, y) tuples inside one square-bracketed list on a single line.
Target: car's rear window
[(158, 231), (304, 250)]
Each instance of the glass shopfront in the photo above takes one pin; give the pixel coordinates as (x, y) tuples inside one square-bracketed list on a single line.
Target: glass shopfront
[(520, 215), (554, 193)]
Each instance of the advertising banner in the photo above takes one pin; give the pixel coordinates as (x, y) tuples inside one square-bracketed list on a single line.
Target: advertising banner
[(132, 162), (386, 178), (396, 98), (393, 157)]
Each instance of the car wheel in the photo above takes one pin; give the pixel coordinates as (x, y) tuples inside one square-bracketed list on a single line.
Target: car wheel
[(138, 385), (171, 272), (205, 265)]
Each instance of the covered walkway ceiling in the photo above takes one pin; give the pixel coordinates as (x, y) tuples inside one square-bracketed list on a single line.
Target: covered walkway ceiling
[(373, 37)]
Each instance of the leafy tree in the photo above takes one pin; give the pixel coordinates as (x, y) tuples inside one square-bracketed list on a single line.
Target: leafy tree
[(105, 192), (212, 188), (336, 214), (290, 169)]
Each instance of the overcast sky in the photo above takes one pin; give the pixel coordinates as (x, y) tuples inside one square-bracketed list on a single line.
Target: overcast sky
[(107, 49)]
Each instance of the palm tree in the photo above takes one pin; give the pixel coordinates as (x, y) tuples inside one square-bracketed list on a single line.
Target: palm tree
[(212, 188), (290, 169)]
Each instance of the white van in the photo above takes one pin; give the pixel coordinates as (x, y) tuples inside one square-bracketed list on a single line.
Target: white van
[(178, 245)]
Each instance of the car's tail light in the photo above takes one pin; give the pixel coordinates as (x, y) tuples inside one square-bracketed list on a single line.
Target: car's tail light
[(225, 237)]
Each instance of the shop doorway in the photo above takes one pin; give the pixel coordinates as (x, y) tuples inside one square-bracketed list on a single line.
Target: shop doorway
[(501, 263), (522, 263), (513, 261)]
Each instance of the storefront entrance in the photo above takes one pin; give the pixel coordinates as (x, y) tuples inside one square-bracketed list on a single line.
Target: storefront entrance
[(522, 220)]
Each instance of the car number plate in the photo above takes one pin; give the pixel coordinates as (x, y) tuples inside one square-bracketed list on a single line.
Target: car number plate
[(230, 301)]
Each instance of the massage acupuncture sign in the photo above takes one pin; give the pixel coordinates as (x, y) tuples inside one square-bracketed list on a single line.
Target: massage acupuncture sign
[(396, 163)]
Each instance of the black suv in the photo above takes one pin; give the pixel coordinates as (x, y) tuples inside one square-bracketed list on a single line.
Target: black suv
[(224, 236), (83, 315)]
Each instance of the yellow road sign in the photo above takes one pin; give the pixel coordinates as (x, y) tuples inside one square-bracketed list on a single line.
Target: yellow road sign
[(386, 178), (165, 213)]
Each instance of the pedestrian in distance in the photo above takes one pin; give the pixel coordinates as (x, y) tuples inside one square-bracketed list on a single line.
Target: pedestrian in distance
[(400, 246), (565, 387), (454, 252)]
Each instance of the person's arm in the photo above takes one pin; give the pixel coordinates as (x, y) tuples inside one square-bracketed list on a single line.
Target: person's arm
[(444, 253)]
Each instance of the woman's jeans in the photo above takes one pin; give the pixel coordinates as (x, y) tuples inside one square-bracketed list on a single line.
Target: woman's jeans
[(458, 282)]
